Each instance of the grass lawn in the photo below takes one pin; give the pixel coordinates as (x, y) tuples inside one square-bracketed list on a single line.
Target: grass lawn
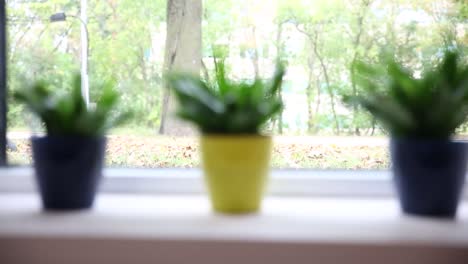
[(150, 151)]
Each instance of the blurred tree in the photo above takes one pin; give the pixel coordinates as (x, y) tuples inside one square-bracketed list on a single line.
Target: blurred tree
[(125, 37), (319, 40), (182, 53)]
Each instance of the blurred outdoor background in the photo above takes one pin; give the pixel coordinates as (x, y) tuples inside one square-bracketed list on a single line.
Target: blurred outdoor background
[(318, 40)]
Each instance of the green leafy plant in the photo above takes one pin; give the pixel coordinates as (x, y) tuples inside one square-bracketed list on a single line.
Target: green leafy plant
[(431, 106), (226, 106), (67, 114)]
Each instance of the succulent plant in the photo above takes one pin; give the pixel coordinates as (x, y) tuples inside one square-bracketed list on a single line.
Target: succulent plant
[(227, 106), (67, 114), (431, 106)]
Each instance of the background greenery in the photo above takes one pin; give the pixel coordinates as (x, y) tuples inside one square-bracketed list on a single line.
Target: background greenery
[(320, 42)]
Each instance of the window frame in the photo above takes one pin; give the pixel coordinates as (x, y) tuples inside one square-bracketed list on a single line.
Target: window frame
[(3, 84), (178, 181), (282, 182)]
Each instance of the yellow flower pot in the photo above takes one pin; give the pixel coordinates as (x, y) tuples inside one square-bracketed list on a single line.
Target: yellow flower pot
[(236, 170)]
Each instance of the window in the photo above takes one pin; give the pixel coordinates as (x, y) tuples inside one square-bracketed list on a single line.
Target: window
[(319, 41)]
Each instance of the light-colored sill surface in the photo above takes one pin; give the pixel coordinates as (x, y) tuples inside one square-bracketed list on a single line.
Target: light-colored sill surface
[(190, 217), (163, 216), (180, 225)]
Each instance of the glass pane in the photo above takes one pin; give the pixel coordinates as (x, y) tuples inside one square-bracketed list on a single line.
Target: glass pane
[(319, 40)]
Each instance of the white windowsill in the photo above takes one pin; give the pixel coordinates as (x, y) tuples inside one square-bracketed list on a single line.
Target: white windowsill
[(190, 217), (163, 216), (312, 225)]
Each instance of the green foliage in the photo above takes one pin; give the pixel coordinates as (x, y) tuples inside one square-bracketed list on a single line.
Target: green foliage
[(112, 25), (227, 107), (67, 113), (342, 30), (220, 50), (432, 106), (463, 9)]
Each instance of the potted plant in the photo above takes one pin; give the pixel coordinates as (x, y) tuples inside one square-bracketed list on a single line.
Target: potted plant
[(68, 160), (421, 115), (229, 114)]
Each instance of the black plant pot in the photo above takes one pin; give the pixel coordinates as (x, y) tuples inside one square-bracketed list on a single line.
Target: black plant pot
[(68, 170), (429, 175)]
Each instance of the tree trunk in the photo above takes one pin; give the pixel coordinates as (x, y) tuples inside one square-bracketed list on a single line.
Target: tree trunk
[(313, 38), (205, 72), (255, 57), (327, 80), (310, 99), (352, 69), (279, 56), (374, 123), (183, 54), (280, 116), (319, 95)]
